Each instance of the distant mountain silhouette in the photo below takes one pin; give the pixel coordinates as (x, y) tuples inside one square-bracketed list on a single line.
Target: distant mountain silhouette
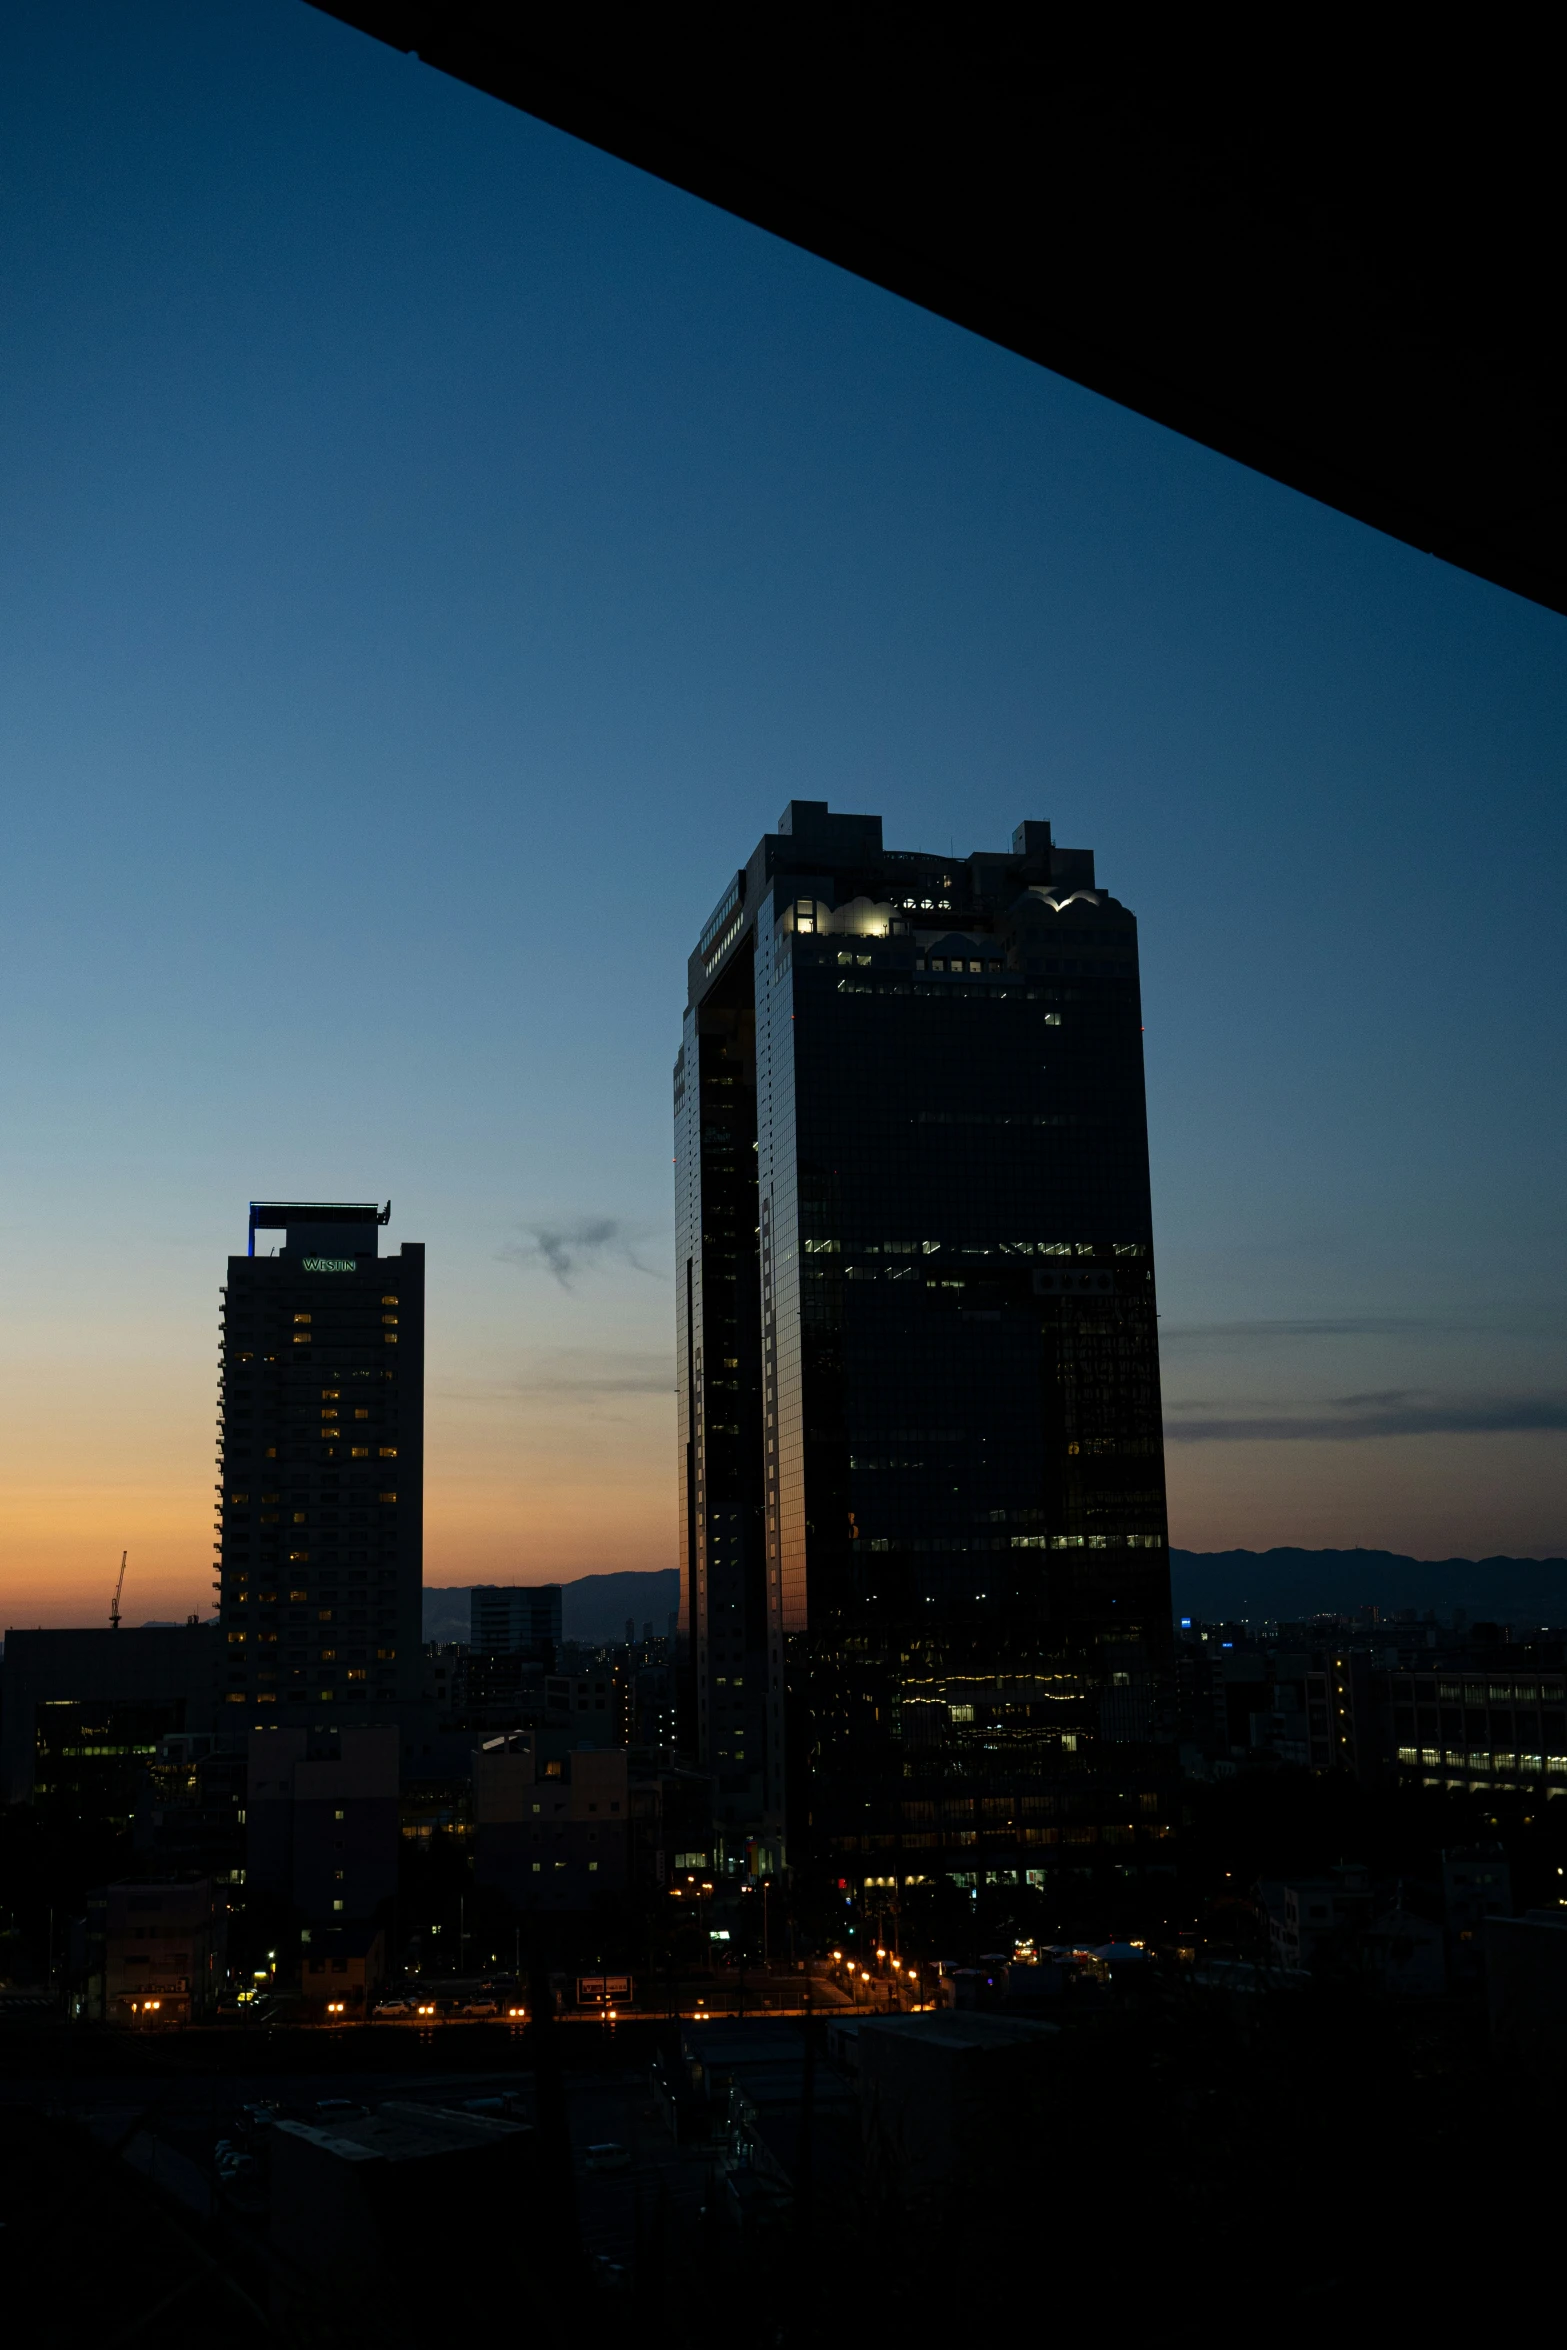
[(1252, 1584), (1243, 1585), (594, 1607)]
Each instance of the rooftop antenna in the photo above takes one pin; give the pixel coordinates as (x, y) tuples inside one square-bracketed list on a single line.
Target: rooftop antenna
[(114, 1604)]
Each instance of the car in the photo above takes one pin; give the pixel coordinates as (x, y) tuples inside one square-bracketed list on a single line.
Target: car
[(394, 2007), (482, 2007), (609, 2156)]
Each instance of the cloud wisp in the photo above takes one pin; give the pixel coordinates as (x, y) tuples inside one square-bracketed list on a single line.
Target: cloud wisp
[(1342, 1326), (572, 1375), (568, 1249), (1389, 1412)]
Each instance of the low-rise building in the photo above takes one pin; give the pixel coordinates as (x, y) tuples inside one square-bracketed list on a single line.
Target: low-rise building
[(940, 2093), (154, 1953), (341, 1969), (361, 2209)]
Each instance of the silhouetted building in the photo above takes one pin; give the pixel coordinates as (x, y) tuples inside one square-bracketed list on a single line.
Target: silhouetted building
[(154, 1953), (340, 1969), (321, 1525), (573, 1829), (516, 1619), (190, 1807), (924, 1551), (81, 1712), (322, 1821), (359, 2205)]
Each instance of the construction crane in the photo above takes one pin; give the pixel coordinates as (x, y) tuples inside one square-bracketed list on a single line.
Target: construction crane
[(114, 1604)]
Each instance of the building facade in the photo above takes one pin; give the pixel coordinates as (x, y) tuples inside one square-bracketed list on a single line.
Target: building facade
[(516, 1619), (82, 1711), (925, 1574), (321, 1452)]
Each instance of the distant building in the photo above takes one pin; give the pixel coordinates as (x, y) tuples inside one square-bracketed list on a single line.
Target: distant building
[(1476, 1885), (552, 1834), (341, 1968), (1306, 1912), (1467, 1710), (516, 1619), (154, 1953), (322, 1821), (577, 1829), (190, 1808), (81, 1712), (595, 1707), (322, 1448), (1495, 1718)]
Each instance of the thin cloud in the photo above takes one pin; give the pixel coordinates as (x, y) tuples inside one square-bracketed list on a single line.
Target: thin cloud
[(1344, 1326), (606, 1374), (574, 1372), (566, 1250), (1390, 1412)]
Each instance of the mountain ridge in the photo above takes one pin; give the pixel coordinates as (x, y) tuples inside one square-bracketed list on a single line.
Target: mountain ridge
[(1221, 1585)]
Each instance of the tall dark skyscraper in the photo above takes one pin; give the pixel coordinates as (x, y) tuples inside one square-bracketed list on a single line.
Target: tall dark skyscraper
[(321, 1521), (925, 1567)]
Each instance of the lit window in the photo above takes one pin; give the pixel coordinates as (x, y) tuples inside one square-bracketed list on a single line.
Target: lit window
[(359, 1452), (389, 1301), (301, 1338), (331, 1395), (390, 1321), (388, 1452), (389, 1338), (356, 1672), (235, 1638), (362, 1411), (323, 1615), (388, 1497), (329, 1656), (301, 1317), (299, 1595), (337, 1904)]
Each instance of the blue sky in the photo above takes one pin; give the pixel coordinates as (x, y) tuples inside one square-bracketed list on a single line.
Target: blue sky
[(430, 554)]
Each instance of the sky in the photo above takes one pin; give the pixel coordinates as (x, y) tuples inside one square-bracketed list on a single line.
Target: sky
[(431, 554)]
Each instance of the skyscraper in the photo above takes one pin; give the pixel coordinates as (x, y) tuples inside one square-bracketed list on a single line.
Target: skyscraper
[(322, 1454), (925, 1574)]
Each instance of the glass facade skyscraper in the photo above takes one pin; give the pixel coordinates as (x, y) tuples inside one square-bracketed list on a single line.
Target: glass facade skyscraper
[(925, 1568), (321, 1448)]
